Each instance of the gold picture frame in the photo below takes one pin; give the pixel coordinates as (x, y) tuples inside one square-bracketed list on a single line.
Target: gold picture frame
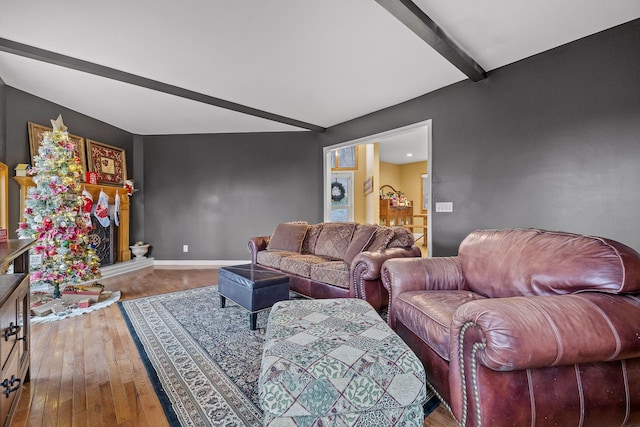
[(107, 161), (35, 139)]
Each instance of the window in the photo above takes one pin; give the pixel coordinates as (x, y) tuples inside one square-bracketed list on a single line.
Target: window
[(341, 196), (344, 158)]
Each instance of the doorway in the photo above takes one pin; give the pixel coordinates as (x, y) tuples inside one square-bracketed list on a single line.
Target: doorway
[(394, 143)]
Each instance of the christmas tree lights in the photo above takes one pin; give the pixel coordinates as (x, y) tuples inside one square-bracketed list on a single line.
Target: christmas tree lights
[(54, 215)]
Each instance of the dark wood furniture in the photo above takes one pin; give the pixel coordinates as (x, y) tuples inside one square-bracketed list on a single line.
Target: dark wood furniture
[(14, 324), (395, 215)]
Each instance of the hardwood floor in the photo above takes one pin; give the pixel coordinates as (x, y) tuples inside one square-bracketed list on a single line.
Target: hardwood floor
[(86, 370)]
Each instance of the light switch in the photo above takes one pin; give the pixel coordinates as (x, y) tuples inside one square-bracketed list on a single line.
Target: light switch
[(444, 206)]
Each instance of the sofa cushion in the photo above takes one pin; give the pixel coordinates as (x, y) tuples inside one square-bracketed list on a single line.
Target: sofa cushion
[(300, 264), (514, 262), (334, 239), (361, 238), (309, 242), (380, 239), (402, 237), (335, 273), (288, 237), (429, 315), (271, 258)]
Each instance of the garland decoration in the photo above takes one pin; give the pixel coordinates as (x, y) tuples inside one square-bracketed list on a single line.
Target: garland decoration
[(337, 191)]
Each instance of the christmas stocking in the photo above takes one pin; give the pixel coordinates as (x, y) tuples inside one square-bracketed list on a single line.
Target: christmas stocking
[(87, 206), (102, 209), (116, 210)]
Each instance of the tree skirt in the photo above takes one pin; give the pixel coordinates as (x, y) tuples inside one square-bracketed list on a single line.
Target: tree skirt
[(107, 299)]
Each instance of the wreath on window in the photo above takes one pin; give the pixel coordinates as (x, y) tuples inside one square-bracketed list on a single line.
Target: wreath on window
[(337, 191)]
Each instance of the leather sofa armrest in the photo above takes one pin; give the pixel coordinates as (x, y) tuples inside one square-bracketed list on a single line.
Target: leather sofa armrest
[(420, 274), (541, 331), (367, 265), (364, 274), (257, 244)]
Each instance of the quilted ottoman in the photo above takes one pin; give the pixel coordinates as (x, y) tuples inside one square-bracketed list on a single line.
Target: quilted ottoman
[(336, 362)]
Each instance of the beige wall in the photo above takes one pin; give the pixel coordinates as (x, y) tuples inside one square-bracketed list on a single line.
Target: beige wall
[(405, 178), (359, 176)]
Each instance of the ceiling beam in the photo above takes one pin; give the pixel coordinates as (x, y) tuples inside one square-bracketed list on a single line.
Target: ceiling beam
[(47, 56), (419, 22)]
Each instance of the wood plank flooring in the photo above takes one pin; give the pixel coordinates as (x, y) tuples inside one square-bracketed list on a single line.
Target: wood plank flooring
[(86, 370)]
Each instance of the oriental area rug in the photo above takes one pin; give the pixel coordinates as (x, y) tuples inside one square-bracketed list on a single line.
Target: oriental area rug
[(204, 360)]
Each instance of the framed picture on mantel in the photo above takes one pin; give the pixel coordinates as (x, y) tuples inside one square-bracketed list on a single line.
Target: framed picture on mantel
[(108, 162)]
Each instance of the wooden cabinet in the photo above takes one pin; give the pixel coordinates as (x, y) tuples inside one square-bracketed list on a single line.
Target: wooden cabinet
[(14, 324), (395, 215)]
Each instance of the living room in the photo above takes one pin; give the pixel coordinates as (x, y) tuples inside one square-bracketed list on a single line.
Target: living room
[(549, 141)]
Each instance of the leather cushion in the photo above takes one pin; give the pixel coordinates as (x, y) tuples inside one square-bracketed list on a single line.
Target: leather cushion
[(288, 237), (515, 262), (428, 314), (251, 276)]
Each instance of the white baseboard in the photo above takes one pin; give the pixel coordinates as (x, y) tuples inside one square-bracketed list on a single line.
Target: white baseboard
[(200, 263), (137, 264), (125, 267)]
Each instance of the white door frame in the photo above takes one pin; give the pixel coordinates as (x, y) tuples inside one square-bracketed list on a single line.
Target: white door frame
[(370, 139)]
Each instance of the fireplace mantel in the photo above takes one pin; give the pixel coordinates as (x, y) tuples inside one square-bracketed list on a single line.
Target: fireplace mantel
[(124, 253)]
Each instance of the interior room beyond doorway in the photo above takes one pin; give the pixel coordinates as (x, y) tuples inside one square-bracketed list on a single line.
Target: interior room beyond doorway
[(382, 179)]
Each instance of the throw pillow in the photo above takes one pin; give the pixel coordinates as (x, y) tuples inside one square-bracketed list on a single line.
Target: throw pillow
[(309, 243), (402, 238), (380, 239), (334, 239), (361, 238), (288, 237)]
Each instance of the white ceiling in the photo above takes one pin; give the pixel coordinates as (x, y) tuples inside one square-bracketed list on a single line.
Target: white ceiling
[(405, 147), (319, 62)]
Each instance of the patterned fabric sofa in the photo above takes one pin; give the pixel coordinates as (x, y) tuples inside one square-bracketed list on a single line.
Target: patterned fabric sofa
[(334, 259)]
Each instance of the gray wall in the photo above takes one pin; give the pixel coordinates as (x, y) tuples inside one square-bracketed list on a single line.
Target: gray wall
[(21, 108), (213, 192), (552, 141)]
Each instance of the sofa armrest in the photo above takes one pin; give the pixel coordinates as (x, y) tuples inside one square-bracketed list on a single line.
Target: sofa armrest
[(367, 265), (364, 274), (257, 244), (515, 333), (420, 274)]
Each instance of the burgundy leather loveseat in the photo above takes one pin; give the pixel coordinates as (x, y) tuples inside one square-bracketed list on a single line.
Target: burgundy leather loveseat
[(334, 259), (525, 328)]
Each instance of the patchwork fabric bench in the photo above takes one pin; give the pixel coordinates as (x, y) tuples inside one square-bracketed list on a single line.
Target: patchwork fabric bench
[(336, 362)]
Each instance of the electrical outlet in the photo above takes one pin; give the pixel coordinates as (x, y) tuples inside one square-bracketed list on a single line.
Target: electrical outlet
[(444, 206), (185, 248)]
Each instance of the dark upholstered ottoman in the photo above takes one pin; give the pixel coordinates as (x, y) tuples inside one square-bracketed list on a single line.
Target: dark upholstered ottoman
[(253, 287), (335, 362)]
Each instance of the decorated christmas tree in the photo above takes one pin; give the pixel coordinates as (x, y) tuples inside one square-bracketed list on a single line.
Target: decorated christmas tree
[(54, 215)]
